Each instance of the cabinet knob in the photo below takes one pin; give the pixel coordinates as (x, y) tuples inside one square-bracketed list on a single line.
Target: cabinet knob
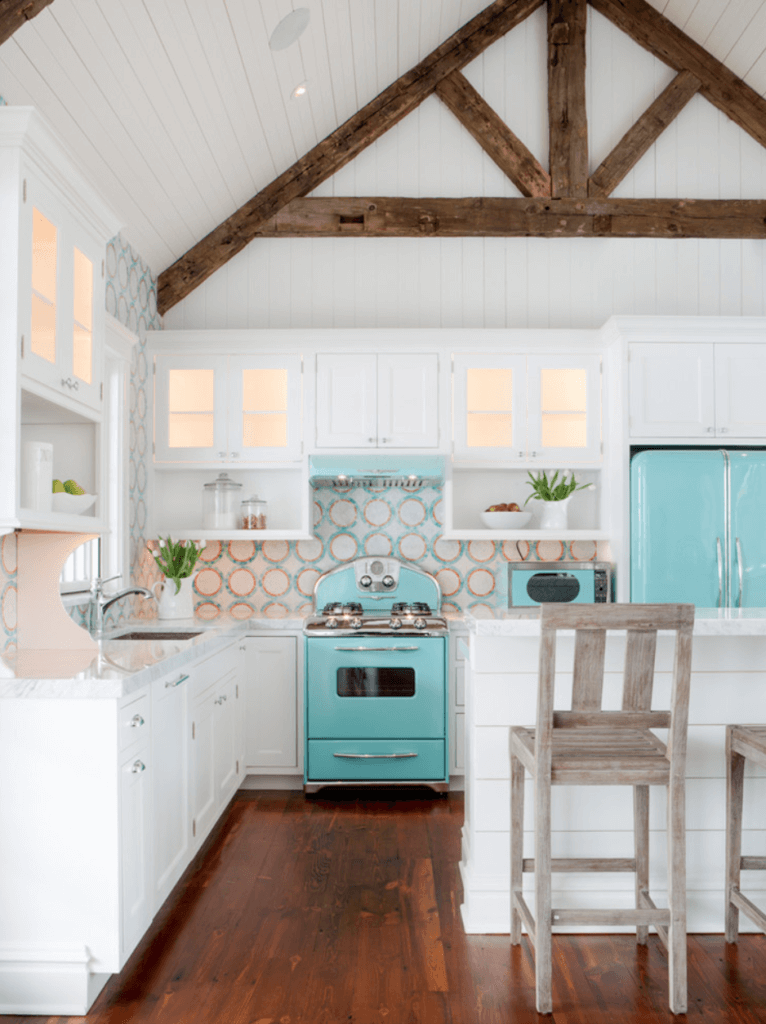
[(138, 766), (534, 455), (222, 455), (724, 430), (385, 440), (371, 440), (235, 455), (521, 455), (136, 721), (710, 430)]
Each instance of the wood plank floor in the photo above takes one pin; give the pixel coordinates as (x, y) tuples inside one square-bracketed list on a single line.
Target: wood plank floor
[(344, 909)]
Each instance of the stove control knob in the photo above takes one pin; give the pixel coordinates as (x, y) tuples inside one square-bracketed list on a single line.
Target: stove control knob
[(356, 622), (420, 623), (388, 581), (332, 622), (365, 581), (396, 623)]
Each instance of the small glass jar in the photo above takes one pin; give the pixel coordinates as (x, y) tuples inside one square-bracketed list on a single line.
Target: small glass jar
[(219, 503), (252, 514)]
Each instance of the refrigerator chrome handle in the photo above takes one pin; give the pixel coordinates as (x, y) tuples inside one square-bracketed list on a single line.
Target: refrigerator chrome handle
[(740, 572), (720, 569)]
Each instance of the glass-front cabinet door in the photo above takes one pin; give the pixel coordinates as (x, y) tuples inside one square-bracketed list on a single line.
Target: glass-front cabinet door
[(264, 399), (190, 409), (490, 408), (61, 299), (564, 407)]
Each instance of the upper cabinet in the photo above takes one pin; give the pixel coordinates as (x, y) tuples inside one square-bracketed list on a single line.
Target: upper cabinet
[(540, 408), (61, 297), (227, 408), (377, 401), (700, 390)]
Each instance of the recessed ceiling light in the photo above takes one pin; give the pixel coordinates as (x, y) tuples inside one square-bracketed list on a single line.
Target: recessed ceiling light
[(289, 28), (299, 91)]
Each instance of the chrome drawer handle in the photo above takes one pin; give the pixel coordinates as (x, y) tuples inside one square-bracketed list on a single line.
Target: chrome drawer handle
[(135, 721), (374, 755), (178, 682), (138, 766), (415, 648)]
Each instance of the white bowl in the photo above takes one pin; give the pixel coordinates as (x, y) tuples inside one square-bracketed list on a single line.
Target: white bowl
[(505, 520), (72, 504)]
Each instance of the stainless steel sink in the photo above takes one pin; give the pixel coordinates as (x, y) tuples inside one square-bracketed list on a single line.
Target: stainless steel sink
[(159, 635)]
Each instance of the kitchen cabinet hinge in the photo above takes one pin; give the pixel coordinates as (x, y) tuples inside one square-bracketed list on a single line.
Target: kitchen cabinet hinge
[(237, 690), (102, 268), (22, 346), (24, 190), (194, 732), (101, 392), (154, 448), (194, 826), (237, 767)]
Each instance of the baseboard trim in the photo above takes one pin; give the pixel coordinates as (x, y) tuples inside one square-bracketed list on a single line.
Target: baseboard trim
[(47, 980)]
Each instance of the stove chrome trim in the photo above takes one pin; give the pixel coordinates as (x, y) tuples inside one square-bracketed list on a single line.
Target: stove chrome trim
[(311, 788), (374, 755), (364, 647)]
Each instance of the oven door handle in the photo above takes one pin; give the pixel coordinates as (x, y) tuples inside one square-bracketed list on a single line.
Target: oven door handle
[(414, 648), (374, 755)]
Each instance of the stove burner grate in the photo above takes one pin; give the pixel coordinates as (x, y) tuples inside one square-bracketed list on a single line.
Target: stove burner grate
[(337, 608), (412, 608)]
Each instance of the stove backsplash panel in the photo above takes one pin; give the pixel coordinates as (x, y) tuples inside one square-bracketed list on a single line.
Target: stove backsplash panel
[(277, 578)]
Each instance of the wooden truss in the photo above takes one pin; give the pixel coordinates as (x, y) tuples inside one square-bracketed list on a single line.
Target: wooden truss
[(14, 13), (564, 201)]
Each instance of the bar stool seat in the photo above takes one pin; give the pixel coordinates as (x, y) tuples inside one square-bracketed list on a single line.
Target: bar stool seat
[(742, 742), (589, 746)]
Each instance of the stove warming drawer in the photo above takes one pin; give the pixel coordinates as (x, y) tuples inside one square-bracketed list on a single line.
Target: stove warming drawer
[(375, 760)]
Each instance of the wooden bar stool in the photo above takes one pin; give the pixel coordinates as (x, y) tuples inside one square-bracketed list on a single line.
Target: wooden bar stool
[(742, 741), (589, 746)]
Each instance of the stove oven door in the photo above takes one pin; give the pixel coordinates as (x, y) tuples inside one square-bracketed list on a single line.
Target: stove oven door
[(376, 687)]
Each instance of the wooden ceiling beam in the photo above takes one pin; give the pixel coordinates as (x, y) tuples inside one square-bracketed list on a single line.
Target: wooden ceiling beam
[(660, 36), (567, 119), (644, 133), (494, 136), (15, 13), (380, 217), (345, 143)]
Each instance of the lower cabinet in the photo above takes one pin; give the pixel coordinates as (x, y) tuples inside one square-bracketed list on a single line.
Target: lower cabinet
[(136, 785), (269, 674), (170, 760)]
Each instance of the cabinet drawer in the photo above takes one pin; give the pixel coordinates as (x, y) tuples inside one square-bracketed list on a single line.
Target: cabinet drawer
[(134, 721), (384, 759)]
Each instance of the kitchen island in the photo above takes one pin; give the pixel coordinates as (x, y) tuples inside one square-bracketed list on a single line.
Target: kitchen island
[(728, 685)]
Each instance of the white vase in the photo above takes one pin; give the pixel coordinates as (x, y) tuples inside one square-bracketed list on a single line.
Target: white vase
[(172, 605), (554, 514)]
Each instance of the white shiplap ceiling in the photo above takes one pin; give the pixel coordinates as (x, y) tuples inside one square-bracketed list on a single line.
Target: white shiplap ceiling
[(178, 111)]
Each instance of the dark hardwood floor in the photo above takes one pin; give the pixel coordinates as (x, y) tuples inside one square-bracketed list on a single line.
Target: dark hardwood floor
[(344, 909)]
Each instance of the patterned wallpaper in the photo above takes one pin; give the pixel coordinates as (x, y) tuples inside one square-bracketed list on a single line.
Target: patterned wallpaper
[(8, 590), (277, 578)]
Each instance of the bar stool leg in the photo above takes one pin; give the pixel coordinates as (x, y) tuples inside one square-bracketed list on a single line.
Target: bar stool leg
[(543, 911), (735, 777), (517, 843), (641, 848), (677, 895)]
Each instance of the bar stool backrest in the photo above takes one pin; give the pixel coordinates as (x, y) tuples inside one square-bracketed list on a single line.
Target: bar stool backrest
[(591, 624)]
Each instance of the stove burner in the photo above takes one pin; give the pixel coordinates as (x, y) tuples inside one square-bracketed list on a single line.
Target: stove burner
[(414, 608), (336, 608)]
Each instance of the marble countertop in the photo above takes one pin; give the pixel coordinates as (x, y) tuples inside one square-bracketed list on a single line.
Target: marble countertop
[(707, 622)]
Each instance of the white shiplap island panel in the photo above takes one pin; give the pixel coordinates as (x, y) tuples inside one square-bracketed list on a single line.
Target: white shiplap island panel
[(728, 685)]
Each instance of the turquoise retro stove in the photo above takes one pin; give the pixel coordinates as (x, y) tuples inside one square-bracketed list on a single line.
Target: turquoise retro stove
[(376, 678)]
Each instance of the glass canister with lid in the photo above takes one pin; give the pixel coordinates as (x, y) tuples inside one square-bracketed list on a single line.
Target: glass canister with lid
[(252, 514), (219, 503)]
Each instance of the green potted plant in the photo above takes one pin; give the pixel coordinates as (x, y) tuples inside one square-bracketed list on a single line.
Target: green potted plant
[(176, 560), (555, 495)]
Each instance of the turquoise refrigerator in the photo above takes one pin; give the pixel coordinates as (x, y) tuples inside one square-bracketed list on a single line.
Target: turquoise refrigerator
[(698, 528)]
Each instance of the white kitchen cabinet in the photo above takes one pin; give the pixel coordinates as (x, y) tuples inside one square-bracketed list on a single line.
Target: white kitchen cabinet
[(225, 750), (221, 408), (170, 770), (538, 408), (458, 641), (270, 687), (136, 833), (700, 390), (377, 401)]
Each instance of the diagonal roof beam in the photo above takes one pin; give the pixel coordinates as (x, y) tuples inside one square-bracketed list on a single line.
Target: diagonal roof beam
[(659, 36), (345, 143), (494, 136), (644, 133), (15, 13)]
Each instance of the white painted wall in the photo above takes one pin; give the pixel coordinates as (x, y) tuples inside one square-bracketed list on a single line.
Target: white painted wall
[(495, 282)]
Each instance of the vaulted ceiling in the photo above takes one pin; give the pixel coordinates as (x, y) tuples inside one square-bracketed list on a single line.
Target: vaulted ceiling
[(179, 112)]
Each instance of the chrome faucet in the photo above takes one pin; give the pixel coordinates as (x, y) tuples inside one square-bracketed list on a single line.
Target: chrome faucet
[(99, 601)]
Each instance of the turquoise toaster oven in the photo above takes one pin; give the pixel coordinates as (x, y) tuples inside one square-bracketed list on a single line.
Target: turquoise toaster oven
[(534, 583)]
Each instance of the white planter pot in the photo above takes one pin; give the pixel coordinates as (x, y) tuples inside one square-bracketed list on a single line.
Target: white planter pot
[(554, 515), (172, 605)]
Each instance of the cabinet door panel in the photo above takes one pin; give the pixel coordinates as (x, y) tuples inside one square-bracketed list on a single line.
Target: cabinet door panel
[(408, 406), (170, 758), (671, 390), (269, 678), (224, 742), (190, 403), (740, 381), (135, 848), (203, 768), (264, 408), (346, 401), (490, 405), (563, 407)]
